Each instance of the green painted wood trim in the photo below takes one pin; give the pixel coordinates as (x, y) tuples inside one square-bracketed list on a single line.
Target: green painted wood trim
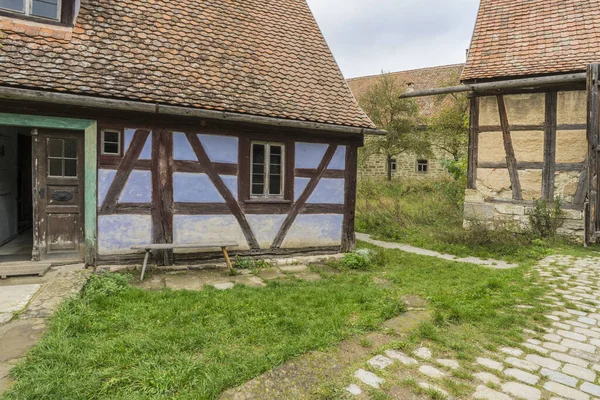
[(39, 121), (90, 129), (91, 173)]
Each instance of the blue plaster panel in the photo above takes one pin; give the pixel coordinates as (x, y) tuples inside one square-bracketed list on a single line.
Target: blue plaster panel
[(339, 159), (105, 179), (207, 230), (146, 151), (195, 188), (222, 149), (182, 149), (138, 188), (299, 186), (265, 228), (328, 191), (232, 183), (315, 231), (128, 138), (118, 233), (309, 155)]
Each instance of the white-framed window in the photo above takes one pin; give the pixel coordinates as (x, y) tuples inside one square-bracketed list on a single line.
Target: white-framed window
[(49, 9), (423, 166), (110, 143), (267, 169)]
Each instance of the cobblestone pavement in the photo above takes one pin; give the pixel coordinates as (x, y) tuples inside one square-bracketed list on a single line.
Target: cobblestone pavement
[(561, 363)]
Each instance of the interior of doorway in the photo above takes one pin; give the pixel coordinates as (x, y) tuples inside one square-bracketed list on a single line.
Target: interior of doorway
[(16, 199)]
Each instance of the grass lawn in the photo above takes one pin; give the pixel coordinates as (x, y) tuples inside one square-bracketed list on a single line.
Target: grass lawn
[(125, 343)]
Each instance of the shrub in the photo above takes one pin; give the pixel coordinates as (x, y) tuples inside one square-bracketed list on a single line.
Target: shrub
[(360, 259), (546, 217), (105, 285), (250, 263)]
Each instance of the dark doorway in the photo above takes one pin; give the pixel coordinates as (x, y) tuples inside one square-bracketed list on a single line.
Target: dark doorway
[(16, 196)]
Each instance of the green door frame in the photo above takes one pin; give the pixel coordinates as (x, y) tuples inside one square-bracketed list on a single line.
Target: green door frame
[(90, 129)]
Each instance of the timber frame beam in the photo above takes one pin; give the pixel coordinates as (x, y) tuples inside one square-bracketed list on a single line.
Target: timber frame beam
[(511, 161)]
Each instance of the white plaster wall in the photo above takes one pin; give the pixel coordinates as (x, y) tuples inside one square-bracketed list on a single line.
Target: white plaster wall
[(207, 230), (265, 228), (320, 230), (118, 233)]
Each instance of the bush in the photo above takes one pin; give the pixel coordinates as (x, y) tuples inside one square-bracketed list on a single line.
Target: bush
[(546, 217), (105, 285), (360, 259), (250, 263)]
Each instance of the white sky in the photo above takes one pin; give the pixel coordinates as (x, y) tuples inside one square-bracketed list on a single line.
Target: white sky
[(368, 36)]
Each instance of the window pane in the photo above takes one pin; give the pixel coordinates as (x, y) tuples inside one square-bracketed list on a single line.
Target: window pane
[(16, 5), (112, 137), (70, 167), (275, 169), (258, 189), (45, 8), (111, 148), (55, 148), (258, 169), (258, 154), (70, 149), (258, 178), (275, 184), (275, 150), (55, 167)]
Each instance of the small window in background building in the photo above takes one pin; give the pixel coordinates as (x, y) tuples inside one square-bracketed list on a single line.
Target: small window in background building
[(266, 178), (423, 166), (393, 165), (49, 9), (111, 143)]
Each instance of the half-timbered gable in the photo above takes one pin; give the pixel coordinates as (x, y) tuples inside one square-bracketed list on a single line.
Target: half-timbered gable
[(196, 123)]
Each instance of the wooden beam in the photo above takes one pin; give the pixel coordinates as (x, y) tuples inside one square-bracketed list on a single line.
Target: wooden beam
[(582, 185), (511, 161), (522, 165), (215, 178), (348, 234), (301, 202), (549, 169), (162, 194), (522, 128), (330, 173), (126, 165), (593, 130), (473, 153)]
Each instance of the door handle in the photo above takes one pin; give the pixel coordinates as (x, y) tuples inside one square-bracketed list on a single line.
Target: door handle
[(42, 193)]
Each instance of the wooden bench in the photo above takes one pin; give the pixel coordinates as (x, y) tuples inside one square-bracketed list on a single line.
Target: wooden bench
[(150, 247)]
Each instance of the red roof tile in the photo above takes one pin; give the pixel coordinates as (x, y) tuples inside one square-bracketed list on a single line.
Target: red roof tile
[(533, 37), (251, 56)]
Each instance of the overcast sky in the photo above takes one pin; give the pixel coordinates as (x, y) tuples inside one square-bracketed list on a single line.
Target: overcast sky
[(368, 36)]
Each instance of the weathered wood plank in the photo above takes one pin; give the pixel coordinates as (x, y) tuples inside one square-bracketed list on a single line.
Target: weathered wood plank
[(593, 130), (521, 165), (548, 172), (522, 128), (301, 202), (162, 194), (330, 173), (511, 161), (201, 209), (126, 165), (215, 178), (195, 167), (473, 153), (582, 185), (348, 234)]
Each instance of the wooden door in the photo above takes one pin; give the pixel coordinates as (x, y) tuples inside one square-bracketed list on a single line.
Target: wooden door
[(60, 194)]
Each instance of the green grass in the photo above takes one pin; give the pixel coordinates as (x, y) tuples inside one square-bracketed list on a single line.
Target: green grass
[(135, 344), (429, 214)]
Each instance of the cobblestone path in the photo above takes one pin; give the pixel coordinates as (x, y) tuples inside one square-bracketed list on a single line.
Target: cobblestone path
[(561, 363)]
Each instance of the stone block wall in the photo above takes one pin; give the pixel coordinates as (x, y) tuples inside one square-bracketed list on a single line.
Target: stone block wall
[(489, 201)]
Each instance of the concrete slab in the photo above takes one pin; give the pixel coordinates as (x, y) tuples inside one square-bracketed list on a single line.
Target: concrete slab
[(15, 298)]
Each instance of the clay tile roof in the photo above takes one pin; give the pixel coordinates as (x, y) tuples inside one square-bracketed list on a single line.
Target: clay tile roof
[(418, 79), (533, 37), (255, 57)]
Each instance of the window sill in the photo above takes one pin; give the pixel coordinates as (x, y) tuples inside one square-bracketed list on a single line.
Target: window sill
[(267, 200)]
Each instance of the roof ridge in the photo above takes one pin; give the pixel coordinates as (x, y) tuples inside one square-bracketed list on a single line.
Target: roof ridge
[(408, 70)]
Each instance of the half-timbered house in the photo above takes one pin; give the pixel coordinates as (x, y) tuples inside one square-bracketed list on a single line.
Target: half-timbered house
[(127, 123), (533, 124)]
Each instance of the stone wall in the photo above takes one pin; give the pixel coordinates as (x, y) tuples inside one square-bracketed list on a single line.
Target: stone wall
[(376, 166), (493, 184)]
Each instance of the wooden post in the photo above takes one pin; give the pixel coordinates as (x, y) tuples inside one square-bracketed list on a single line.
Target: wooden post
[(473, 144), (226, 255), (162, 194), (348, 234), (549, 170), (511, 161), (35, 148), (593, 125)]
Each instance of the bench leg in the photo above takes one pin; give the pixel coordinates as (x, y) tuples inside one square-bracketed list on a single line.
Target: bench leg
[(227, 260), (145, 264)]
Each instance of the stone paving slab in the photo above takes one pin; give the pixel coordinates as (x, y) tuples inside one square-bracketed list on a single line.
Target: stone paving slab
[(496, 264), (16, 298)]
